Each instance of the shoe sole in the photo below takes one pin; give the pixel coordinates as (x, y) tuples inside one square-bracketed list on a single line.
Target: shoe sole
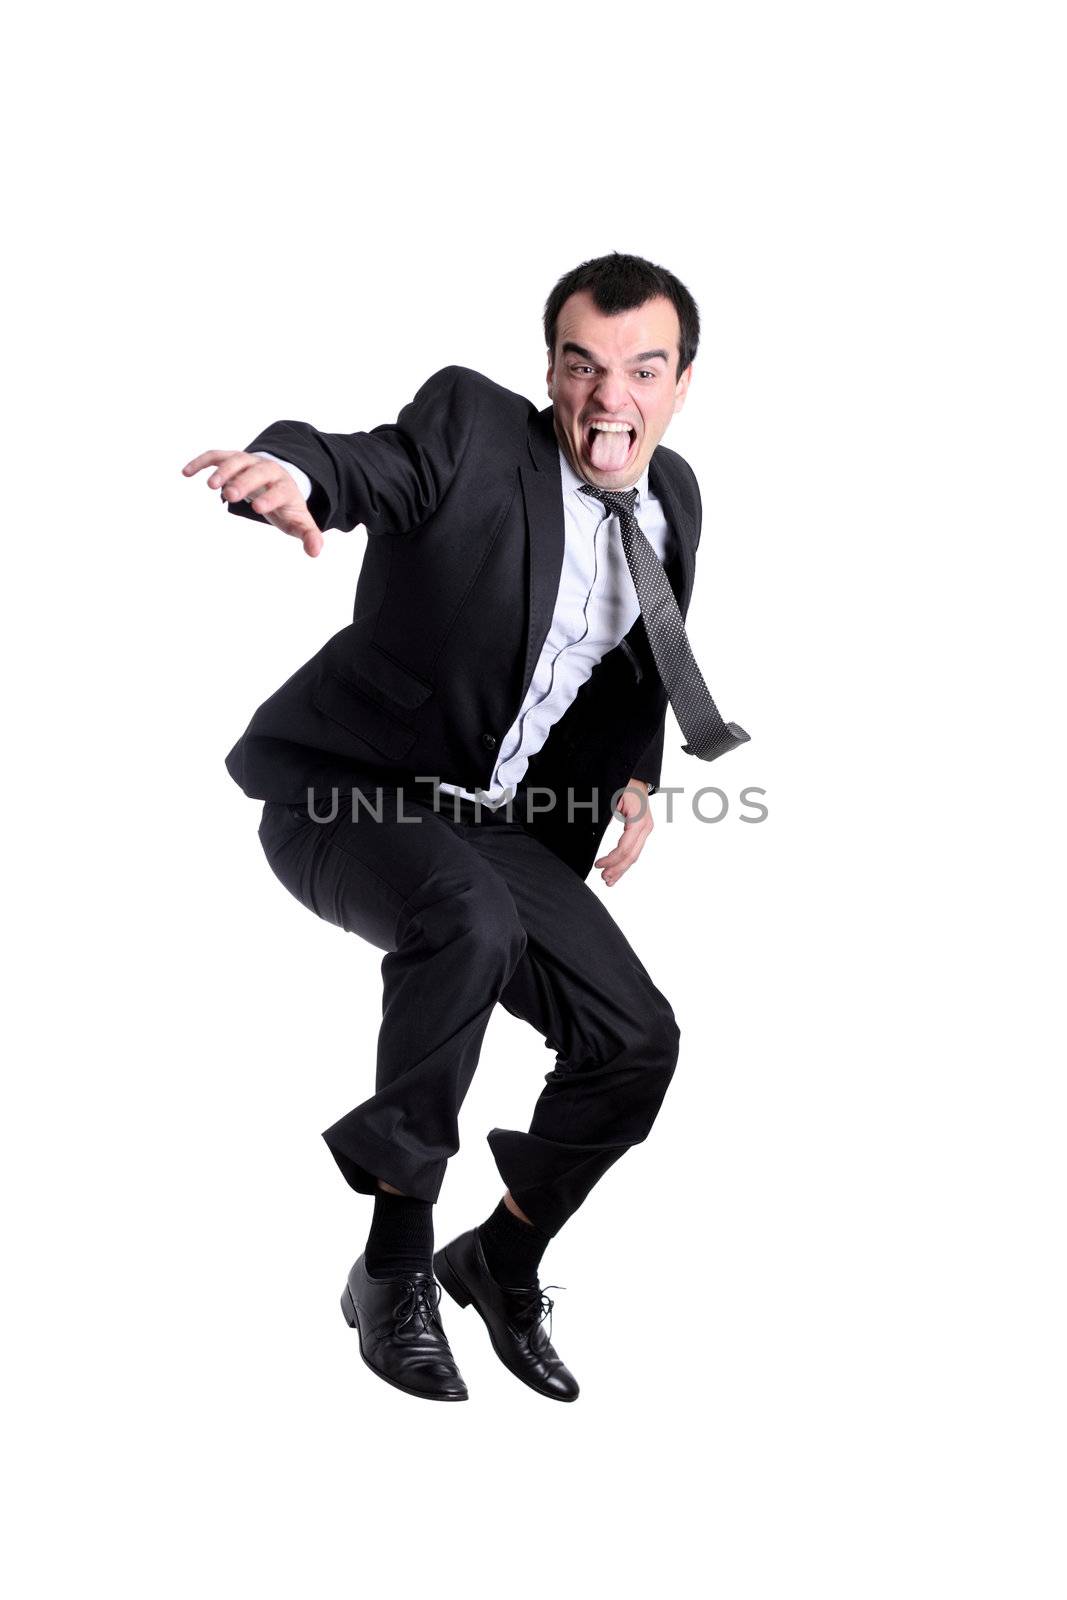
[(348, 1307), (450, 1280)]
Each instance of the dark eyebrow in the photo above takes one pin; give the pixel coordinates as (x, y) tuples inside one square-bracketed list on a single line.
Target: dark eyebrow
[(570, 348)]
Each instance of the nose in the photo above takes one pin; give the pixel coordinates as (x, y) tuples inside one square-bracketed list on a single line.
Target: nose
[(611, 393)]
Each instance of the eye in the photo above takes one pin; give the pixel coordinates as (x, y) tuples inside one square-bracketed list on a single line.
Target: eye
[(646, 373), (581, 369)]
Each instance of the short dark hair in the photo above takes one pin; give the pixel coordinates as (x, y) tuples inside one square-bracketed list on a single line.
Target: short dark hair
[(621, 283)]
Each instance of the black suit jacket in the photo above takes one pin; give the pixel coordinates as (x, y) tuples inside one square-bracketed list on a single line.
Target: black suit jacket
[(463, 505)]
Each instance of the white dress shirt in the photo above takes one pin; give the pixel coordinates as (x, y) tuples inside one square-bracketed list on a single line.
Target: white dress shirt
[(596, 606)]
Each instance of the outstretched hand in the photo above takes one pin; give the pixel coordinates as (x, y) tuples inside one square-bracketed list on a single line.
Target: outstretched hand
[(266, 486), (636, 813)]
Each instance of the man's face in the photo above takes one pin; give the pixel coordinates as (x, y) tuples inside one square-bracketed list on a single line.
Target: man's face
[(614, 370)]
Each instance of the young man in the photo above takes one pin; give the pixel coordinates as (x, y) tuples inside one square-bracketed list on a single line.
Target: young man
[(437, 780)]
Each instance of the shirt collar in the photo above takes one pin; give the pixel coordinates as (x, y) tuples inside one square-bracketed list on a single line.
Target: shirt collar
[(572, 484)]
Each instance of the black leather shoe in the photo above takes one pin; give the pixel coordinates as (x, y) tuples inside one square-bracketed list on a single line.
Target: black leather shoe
[(401, 1337), (514, 1317)]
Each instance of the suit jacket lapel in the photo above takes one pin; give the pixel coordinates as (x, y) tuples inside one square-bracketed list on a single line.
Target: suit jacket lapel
[(542, 490)]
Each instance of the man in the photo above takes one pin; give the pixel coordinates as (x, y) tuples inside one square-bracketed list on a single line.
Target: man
[(517, 634)]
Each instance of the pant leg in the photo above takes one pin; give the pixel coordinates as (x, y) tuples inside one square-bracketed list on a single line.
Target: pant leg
[(418, 891), (581, 985)]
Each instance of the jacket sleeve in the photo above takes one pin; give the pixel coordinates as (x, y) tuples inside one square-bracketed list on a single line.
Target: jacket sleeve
[(648, 767), (392, 478)]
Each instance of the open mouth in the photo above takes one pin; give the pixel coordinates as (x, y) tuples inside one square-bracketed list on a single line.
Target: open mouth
[(608, 444)]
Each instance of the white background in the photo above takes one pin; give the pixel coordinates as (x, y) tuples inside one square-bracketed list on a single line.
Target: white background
[(818, 1317)]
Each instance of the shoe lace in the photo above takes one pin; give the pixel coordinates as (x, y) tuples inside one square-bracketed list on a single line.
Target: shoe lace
[(532, 1306), (420, 1301)]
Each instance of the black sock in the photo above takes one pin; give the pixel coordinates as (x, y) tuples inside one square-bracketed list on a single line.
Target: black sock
[(513, 1248), (401, 1236)]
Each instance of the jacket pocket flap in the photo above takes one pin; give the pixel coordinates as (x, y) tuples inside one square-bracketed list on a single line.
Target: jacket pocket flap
[(345, 702), (378, 674)]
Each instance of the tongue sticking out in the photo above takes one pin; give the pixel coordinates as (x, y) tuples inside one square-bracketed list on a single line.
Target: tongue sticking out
[(608, 451)]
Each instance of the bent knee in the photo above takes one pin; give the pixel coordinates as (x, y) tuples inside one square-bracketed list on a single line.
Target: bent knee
[(664, 1035), (496, 938), (481, 914)]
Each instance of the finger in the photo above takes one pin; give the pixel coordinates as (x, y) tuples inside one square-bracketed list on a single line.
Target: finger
[(227, 470), (209, 458), (242, 461), (253, 474), (614, 859), (270, 497), (299, 525), (625, 852), (612, 873)]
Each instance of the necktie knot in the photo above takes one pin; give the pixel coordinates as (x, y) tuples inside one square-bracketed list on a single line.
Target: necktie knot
[(615, 499)]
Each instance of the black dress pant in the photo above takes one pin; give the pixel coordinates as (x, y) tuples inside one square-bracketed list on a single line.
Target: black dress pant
[(471, 912)]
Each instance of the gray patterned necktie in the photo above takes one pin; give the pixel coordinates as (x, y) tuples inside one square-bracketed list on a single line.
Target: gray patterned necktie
[(698, 716)]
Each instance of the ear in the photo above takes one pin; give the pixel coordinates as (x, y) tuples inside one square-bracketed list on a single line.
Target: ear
[(551, 373), (681, 388)]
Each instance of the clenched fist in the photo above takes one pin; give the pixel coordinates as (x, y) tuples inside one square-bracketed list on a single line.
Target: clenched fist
[(266, 486)]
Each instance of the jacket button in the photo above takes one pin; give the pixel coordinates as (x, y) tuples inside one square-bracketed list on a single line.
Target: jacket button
[(489, 740)]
